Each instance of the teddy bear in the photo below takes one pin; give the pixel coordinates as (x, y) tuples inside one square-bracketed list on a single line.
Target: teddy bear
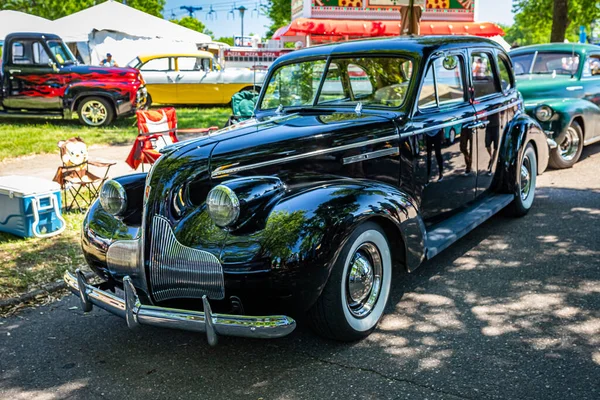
[(73, 151)]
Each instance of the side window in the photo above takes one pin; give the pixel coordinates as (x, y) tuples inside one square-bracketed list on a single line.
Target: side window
[(359, 81), (40, 56), (483, 75), (443, 84), (592, 66), (194, 64), (449, 80), (427, 97), (158, 64), (505, 78), (19, 55)]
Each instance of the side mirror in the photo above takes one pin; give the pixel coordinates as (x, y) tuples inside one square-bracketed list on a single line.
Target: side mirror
[(53, 65)]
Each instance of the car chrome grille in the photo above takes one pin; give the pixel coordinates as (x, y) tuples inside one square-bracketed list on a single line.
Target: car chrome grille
[(178, 271)]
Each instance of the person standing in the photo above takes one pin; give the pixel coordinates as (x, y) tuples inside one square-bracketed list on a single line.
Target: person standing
[(108, 61)]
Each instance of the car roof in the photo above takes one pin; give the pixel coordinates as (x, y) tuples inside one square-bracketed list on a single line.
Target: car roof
[(31, 35), (199, 53), (411, 44), (566, 47)]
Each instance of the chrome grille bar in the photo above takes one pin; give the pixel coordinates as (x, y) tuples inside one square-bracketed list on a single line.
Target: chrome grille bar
[(178, 271)]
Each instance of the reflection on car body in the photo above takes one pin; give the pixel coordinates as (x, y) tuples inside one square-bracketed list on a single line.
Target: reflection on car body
[(309, 208)]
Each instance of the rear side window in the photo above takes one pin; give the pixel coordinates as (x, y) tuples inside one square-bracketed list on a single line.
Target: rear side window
[(482, 72), (505, 78)]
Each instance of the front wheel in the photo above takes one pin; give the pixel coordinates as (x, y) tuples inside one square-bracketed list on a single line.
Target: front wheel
[(525, 183), (353, 301), (569, 150), (95, 111)]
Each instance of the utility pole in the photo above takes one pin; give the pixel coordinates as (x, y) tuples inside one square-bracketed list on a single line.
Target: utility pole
[(242, 10), (190, 9)]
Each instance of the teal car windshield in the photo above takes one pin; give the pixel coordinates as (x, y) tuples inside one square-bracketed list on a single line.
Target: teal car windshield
[(371, 81), (556, 62)]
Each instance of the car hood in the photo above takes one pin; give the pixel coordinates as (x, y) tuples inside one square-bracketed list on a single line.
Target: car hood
[(288, 146), (536, 86), (103, 73)]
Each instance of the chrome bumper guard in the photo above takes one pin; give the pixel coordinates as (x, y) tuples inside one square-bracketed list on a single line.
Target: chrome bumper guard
[(551, 143), (136, 313)]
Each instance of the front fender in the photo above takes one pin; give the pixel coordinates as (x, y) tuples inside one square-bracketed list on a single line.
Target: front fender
[(306, 230), (565, 111), (518, 133), (114, 91)]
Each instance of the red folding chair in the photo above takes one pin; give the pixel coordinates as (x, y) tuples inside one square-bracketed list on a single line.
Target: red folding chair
[(156, 129)]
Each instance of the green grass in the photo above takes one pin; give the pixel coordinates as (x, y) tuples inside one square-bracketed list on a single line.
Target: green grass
[(36, 136), (26, 264)]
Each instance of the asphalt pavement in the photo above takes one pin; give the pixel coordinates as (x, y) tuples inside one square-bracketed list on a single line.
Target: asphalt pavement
[(511, 311)]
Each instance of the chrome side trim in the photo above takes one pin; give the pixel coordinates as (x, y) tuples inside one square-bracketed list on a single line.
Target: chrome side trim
[(591, 140), (136, 314), (438, 126), (226, 171), (371, 155)]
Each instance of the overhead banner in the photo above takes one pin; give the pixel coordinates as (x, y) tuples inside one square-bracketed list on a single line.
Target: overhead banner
[(433, 10)]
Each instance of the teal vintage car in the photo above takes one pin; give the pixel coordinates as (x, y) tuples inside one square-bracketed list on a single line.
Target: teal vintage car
[(560, 83)]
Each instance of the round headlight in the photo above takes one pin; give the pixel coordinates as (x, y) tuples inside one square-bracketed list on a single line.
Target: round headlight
[(223, 206), (543, 113), (113, 198)]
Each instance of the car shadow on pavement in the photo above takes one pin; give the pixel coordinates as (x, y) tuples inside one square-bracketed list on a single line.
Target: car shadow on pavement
[(511, 311)]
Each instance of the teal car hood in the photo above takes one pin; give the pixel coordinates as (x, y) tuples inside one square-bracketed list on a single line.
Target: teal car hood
[(536, 86)]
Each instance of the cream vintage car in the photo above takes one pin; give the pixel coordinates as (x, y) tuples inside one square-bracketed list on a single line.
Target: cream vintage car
[(193, 78)]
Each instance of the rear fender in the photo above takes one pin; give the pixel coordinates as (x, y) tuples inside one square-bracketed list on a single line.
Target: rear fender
[(518, 133)]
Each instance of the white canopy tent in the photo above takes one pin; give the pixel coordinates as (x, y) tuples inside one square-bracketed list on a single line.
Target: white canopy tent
[(125, 32), (16, 21)]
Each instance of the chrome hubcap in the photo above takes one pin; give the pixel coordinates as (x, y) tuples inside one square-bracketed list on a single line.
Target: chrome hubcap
[(568, 147), (94, 113), (363, 281), (525, 179)]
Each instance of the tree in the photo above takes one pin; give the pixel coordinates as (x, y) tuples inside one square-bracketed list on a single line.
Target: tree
[(54, 9), (560, 20), (534, 20), (192, 23), (280, 14), (225, 39)]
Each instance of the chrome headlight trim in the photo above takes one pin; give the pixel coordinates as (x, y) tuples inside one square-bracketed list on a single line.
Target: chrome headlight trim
[(113, 197), (544, 113), (223, 206)]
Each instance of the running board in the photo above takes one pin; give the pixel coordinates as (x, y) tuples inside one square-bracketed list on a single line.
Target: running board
[(445, 233), (30, 114)]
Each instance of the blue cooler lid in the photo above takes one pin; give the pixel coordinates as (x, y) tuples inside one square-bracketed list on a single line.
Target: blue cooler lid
[(22, 186)]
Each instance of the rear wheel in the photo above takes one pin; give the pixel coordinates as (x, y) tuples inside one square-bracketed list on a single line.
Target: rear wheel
[(95, 111), (353, 301), (569, 150), (525, 183)]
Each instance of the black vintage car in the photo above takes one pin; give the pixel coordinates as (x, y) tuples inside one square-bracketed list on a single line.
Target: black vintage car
[(342, 178)]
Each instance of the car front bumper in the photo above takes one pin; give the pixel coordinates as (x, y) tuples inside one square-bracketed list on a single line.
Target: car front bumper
[(135, 313)]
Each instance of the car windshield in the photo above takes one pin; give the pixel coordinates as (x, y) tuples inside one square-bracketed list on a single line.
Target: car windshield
[(61, 52), (557, 62), (134, 63), (371, 81)]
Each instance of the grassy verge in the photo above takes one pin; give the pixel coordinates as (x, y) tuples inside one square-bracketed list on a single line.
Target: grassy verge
[(27, 264), (35, 136)]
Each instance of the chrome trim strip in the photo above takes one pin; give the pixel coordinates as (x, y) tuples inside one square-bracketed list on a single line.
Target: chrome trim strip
[(371, 155), (459, 121), (591, 140), (136, 313), (226, 171)]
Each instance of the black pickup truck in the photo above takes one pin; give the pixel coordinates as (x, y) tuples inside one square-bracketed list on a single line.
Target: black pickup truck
[(41, 77)]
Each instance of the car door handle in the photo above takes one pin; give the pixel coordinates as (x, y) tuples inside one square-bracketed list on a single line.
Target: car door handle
[(14, 71), (478, 125)]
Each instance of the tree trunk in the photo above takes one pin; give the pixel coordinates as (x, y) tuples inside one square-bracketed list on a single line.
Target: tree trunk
[(560, 20)]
